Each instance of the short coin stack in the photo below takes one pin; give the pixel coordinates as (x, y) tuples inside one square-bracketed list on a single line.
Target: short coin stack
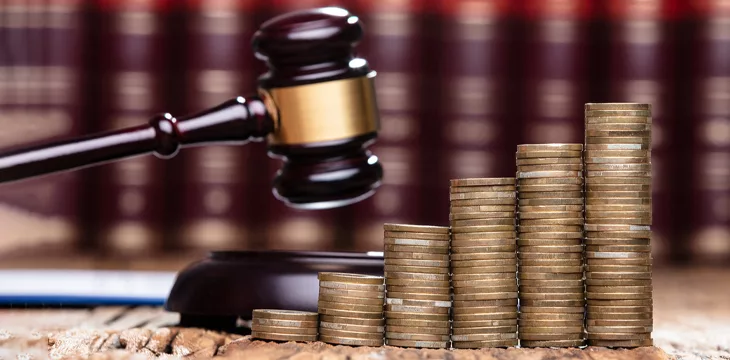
[(351, 309), (484, 262), (417, 283), (550, 250), (618, 219), (284, 325)]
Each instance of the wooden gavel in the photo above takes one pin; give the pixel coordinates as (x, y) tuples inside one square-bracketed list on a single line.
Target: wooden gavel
[(315, 107)]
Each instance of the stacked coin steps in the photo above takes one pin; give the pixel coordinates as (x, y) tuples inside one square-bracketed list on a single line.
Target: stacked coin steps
[(483, 262), (418, 298), (350, 309), (550, 245), (284, 325), (618, 224)]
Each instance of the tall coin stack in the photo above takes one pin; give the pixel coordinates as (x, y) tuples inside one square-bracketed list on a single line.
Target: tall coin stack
[(484, 262), (351, 309), (618, 219), (284, 325), (418, 297), (550, 250)]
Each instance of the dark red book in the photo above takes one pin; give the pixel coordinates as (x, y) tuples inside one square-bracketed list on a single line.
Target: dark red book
[(555, 60), (40, 84), (641, 46), (393, 47), (709, 91), (214, 211), (131, 200)]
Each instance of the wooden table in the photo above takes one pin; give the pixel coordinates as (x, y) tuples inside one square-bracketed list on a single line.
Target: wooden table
[(692, 321)]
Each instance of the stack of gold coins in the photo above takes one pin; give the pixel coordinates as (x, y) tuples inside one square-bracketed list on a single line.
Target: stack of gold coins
[(618, 224), (484, 262), (550, 249), (417, 286), (284, 325), (351, 309)]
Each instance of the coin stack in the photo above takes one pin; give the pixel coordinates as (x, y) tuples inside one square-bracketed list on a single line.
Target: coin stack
[(618, 219), (284, 325), (484, 262), (351, 309), (550, 250), (417, 286)]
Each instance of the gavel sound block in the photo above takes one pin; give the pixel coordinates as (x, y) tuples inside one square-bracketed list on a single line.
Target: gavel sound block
[(315, 108)]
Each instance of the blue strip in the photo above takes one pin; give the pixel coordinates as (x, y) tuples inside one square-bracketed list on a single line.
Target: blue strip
[(77, 300)]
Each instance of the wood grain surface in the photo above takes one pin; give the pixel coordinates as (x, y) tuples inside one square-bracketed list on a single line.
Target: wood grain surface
[(692, 321)]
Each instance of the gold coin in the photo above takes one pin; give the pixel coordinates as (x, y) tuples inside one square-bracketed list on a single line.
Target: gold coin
[(619, 146), (551, 297), (618, 248), (551, 249), (621, 220), (551, 283), (617, 106), (549, 323), (617, 296), (415, 256), (484, 283), (481, 202), (618, 153), (566, 221), (414, 302), (394, 297), (351, 320), (547, 173), (618, 133), (351, 286), (634, 261), (550, 255), (485, 296), (550, 215), (492, 276), (418, 330), (618, 201), (482, 256), (285, 323), (620, 316), (415, 262), (554, 336), (552, 343), (639, 234), (549, 276), (416, 315), (550, 262), (282, 337), (618, 329), (417, 309), (596, 227), (617, 173), (619, 180), (550, 195), (484, 263), (483, 323), (621, 343), (481, 337), (485, 233), (618, 127), (563, 201), (550, 181), (621, 119), (548, 154), (475, 222), (351, 314), (552, 269), (618, 275), (466, 189), (618, 160), (623, 309), (549, 228), (628, 323), (551, 235), (417, 323), (417, 276), (546, 161), (550, 316), (488, 314), (416, 228), (490, 269), (483, 249), (416, 242), (349, 327), (618, 194), (423, 290), (330, 305), (528, 309), (550, 187), (417, 343), (484, 290), (551, 242), (485, 344), (485, 330), (482, 242), (283, 329), (483, 208), (351, 293), (551, 208), (284, 315), (482, 195), (350, 341), (350, 334), (549, 147), (644, 207), (550, 167), (590, 215), (483, 303), (416, 269), (483, 181), (618, 167), (350, 278), (415, 235), (352, 300), (486, 216), (615, 112), (420, 249), (618, 282)]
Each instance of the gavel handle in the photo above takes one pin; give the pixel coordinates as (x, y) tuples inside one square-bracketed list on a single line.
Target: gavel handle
[(235, 121)]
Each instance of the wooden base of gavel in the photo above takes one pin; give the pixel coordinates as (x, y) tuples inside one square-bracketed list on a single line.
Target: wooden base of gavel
[(316, 109)]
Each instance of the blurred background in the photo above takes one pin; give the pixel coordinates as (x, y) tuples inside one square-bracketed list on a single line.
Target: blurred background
[(460, 83)]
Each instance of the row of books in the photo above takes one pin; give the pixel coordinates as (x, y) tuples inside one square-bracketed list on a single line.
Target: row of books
[(460, 83)]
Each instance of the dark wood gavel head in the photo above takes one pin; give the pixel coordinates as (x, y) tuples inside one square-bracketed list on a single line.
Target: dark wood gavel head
[(315, 107), (322, 101)]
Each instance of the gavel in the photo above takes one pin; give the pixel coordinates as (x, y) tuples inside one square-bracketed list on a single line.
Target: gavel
[(315, 107)]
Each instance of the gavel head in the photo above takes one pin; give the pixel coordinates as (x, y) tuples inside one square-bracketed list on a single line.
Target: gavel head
[(322, 101)]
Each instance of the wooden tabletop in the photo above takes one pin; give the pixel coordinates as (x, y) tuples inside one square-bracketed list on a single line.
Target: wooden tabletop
[(691, 321)]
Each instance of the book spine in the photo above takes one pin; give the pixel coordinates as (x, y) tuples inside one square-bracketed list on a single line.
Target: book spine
[(640, 69), (710, 116), (555, 58), (215, 213), (130, 193), (39, 102), (392, 45), (473, 137)]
